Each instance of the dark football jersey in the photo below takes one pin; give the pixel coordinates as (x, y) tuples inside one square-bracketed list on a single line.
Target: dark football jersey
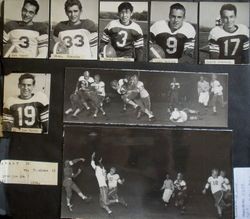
[(229, 45), (123, 38), (173, 43), (26, 38), (30, 113)]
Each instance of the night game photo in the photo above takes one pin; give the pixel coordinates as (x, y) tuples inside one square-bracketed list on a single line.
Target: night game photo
[(173, 32), (26, 29), (136, 97), (123, 31), (74, 29), (26, 102), (224, 33), (146, 173)]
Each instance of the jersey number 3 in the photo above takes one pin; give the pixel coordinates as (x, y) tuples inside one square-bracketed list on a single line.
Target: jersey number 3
[(123, 38), (77, 40), (26, 115)]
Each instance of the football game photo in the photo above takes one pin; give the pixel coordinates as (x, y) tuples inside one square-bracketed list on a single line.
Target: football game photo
[(26, 29), (224, 33), (146, 173), (173, 32), (74, 29), (26, 102), (139, 97), (123, 31)]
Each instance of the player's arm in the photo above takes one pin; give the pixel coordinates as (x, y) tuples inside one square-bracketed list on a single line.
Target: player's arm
[(93, 29), (139, 44), (8, 46), (93, 161), (8, 119), (74, 175), (245, 51), (43, 42), (213, 46), (206, 187), (77, 160)]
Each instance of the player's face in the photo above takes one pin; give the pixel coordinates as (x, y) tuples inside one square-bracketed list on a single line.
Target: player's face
[(228, 19), (125, 16), (201, 78), (97, 79), (214, 173), (74, 14), (176, 18), (26, 88), (222, 173), (112, 171), (28, 13)]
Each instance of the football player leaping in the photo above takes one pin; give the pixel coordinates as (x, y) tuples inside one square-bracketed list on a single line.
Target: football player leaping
[(176, 37), (75, 37), (124, 34), (27, 37)]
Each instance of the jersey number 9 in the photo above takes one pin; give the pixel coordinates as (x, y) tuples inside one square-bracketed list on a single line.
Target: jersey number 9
[(171, 45)]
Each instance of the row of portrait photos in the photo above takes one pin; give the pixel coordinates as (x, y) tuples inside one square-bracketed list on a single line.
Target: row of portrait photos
[(132, 31)]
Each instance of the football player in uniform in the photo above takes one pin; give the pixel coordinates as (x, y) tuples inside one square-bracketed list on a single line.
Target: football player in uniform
[(227, 192), (174, 94), (176, 37), (75, 37), (203, 88), (26, 38), (181, 116), (168, 187), (230, 40), (125, 36), (217, 93), (68, 182), (114, 179), (28, 111), (101, 177), (180, 192), (215, 182)]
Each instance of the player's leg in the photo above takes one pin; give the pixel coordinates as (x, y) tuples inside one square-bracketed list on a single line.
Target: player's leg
[(100, 100), (76, 189), (83, 96), (73, 101), (104, 199), (213, 102), (147, 105), (126, 100), (68, 196)]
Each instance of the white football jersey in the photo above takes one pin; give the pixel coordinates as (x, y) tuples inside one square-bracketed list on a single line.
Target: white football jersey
[(113, 180), (216, 87), (215, 183), (99, 87)]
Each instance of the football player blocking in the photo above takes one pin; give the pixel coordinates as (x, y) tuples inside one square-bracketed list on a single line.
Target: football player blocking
[(26, 38), (229, 42), (122, 38), (172, 40), (75, 38), (27, 112)]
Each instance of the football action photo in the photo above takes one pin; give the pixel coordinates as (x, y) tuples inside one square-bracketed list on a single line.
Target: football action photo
[(146, 173), (136, 97), (26, 102)]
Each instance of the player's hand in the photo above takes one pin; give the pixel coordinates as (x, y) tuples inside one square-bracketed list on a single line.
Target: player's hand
[(82, 159), (93, 156), (204, 191), (122, 181), (79, 171)]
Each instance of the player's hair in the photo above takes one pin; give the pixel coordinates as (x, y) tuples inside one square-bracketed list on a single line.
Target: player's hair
[(26, 76), (215, 170), (126, 6), (229, 7), (32, 2), (70, 3), (97, 75), (86, 72), (177, 6)]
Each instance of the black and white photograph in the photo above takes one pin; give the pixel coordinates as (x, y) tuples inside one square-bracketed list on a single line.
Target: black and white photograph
[(26, 29), (146, 173), (173, 32), (123, 31), (137, 97), (74, 29), (224, 33), (26, 102)]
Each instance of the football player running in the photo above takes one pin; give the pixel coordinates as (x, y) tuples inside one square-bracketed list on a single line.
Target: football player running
[(28, 39), (125, 36), (176, 36), (203, 88), (75, 37), (180, 193), (230, 40), (28, 111)]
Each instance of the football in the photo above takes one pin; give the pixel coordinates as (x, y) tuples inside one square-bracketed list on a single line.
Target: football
[(60, 48), (156, 52), (109, 51)]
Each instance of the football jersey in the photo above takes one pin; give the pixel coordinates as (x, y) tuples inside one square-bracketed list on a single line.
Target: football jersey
[(229, 45), (173, 43), (122, 86), (100, 174), (68, 172), (143, 92), (175, 85), (216, 87), (83, 83), (78, 38), (99, 87), (26, 38), (30, 113), (180, 185), (112, 180), (215, 183), (203, 86), (124, 38)]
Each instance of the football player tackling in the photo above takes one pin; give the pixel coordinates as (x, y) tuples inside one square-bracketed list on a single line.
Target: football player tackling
[(230, 40), (26, 38), (176, 37), (75, 38), (125, 36), (27, 112)]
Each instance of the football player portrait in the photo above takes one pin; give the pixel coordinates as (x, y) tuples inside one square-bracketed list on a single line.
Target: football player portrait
[(76, 36), (122, 39), (172, 39), (26, 109), (26, 37)]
